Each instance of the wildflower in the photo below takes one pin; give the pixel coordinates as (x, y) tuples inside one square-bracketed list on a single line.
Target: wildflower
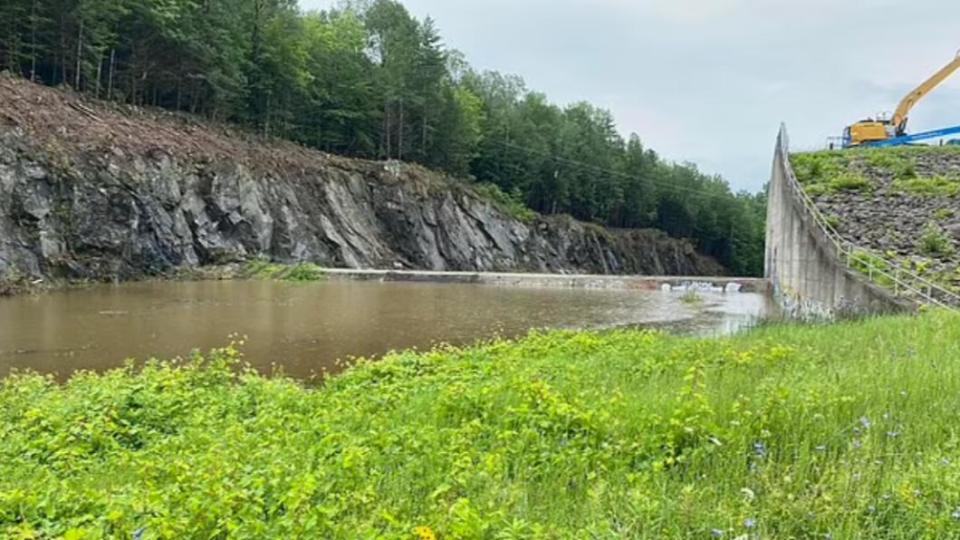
[(748, 494), (871, 509), (750, 523), (424, 533), (865, 422), (893, 434), (138, 534), (716, 533), (760, 449), (956, 514), (821, 448), (857, 444)]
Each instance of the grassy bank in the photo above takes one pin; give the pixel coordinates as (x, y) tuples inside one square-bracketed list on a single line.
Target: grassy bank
[(848, 431)]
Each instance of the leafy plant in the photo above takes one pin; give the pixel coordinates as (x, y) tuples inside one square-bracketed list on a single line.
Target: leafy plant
[(936, 242), (511, 204)]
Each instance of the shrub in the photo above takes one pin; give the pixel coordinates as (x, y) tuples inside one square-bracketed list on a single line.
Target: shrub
[(304, 272), (511, 204), (936, 242), (264, 269)]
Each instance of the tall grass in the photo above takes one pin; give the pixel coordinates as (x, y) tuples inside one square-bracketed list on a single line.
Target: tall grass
[(847, 431)]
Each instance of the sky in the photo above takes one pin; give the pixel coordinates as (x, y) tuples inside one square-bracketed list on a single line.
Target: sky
[(710, 81)]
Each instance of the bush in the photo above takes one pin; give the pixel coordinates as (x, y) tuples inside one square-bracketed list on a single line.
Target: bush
[(936, 242), (511, 204)]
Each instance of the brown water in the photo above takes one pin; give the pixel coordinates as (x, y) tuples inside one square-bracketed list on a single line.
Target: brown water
[(305, 328)]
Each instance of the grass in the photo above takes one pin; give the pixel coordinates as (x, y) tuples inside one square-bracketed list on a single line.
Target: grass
[(264, 269), (846, 431), (828, 172), (934, 186)]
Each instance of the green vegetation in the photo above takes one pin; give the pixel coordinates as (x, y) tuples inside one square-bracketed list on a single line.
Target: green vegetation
[(818, 167), (875, 267), (944, 214), (827, 172), (936, 186), (264, 269), (900, 165), (367, 79), (833, 222), (691, 297), (936, 242), (846, 431), (509, 203)]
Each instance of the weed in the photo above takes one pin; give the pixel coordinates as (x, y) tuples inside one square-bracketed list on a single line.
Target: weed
[(264, 269), (935, 186), (936, 242), (873, 266), (304, 272), (944, 214), (838, 431)]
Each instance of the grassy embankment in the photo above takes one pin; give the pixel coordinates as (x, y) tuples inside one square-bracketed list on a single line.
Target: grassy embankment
[(847, 431)]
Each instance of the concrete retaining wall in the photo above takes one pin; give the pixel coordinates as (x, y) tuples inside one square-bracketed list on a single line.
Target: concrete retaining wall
[(808, 277)]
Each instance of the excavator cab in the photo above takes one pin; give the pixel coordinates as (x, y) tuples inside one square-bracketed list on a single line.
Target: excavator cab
[(882, 129), (867, 131)]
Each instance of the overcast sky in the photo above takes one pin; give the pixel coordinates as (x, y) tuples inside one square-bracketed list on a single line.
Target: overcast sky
[(709, 81)]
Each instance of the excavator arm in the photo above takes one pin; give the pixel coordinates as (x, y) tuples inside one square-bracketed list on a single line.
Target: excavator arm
[(914, 97)]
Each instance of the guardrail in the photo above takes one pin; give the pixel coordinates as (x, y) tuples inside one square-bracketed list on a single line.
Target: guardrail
[(890, 275)]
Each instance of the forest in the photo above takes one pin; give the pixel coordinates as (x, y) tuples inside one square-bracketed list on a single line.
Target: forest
[(367, 79)]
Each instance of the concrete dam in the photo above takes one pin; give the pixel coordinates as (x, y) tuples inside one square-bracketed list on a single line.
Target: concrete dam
[(817, 273)]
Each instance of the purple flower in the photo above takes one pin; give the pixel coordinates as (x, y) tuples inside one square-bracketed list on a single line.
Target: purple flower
[(760, 449)]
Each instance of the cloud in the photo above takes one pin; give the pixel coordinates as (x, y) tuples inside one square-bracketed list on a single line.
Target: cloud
[(710, 80)]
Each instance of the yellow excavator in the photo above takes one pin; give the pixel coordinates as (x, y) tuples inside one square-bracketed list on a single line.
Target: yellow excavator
[(889, 132)]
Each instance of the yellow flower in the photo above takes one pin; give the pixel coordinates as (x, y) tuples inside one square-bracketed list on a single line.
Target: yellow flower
[(424, 533)]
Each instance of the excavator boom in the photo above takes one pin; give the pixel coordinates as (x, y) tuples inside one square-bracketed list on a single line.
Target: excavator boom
[(911, 99)]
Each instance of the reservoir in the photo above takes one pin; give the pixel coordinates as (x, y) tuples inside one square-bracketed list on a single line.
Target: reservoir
[(304, 329)]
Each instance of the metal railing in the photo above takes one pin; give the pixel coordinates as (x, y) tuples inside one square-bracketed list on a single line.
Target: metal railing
[(887, 274)]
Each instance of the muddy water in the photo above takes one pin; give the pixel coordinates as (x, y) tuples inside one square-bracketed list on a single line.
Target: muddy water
[(305, 328)]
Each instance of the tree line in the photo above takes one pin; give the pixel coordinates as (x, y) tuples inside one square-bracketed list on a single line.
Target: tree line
[(369, 80)]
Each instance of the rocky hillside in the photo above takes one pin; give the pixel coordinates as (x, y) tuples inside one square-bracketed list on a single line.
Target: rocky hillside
[(899, 204), (90, 190)]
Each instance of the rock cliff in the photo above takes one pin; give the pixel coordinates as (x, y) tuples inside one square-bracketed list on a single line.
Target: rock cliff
[(91, 190)]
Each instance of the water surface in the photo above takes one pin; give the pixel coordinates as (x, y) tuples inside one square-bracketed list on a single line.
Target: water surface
[(305, 328)]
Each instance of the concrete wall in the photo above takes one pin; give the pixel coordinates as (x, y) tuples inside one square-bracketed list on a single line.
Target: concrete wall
[(808, 277)]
